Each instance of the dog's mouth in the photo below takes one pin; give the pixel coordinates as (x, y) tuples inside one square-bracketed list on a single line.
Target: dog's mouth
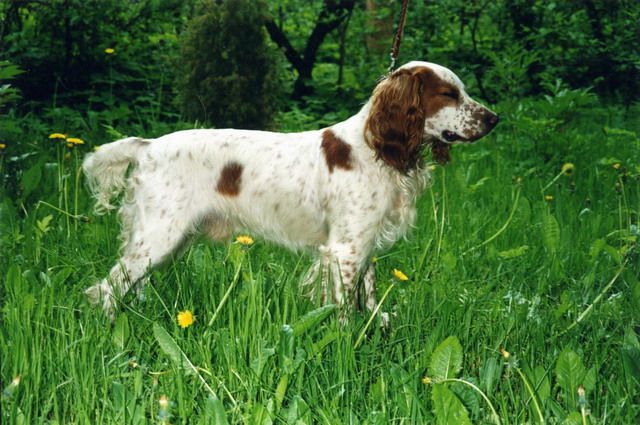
[(452, 137)]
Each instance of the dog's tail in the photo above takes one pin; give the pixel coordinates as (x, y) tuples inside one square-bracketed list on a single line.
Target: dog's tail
[(106, 169)]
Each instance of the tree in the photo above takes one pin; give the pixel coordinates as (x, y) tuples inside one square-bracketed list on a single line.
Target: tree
[(332, 14)]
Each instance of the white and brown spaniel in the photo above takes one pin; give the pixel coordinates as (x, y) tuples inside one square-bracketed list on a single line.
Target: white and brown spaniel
[(341, 192)]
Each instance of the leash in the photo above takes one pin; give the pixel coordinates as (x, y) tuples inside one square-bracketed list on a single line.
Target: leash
[(395, 49)]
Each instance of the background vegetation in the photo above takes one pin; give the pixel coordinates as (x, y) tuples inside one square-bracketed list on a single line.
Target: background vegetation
[(523, 271)]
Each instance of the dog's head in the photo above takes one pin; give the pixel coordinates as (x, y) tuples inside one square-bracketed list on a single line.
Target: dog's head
[(423, 103)]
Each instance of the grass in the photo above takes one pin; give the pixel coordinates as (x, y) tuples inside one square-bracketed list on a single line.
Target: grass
[(524, 286)]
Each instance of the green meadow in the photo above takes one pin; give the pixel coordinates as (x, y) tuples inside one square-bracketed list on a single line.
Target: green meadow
[(521, 304)]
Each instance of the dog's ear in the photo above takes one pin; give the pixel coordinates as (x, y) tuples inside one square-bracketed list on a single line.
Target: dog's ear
[(395, 125)]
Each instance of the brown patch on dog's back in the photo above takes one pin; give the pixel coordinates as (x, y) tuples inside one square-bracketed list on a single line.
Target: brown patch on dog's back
[(337, 153), (230, 179)]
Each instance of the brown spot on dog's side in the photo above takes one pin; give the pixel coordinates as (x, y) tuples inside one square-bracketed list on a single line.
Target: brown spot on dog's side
[(337, 153), (230, 179)]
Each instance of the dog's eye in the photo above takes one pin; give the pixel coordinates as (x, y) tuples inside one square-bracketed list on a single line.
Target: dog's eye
[(450, 94)]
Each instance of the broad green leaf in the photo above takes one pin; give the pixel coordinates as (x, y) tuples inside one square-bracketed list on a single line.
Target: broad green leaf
[(31, 179), (574, 418), (596, 247), (550, 232), (258, 362), (541, 383), (260, 415), (215, 411), (43, 225), (570, 373), (449, 410), (9, 70), (120, 333), (446, 360), (14, 277), (403, 389), (281, 390), (285, 349), (514, 252), (171, 349), (630, 354), (522, 215), (449, 261), (311, 319), (298, 412)]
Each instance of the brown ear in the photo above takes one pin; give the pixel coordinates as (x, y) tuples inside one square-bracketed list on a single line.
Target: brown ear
[(395, 125)]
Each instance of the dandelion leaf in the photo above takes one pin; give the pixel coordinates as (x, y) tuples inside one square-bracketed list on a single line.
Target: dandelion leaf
[(120, 333), (446, 360), (570, 373), (550, 232), (312, 319), (448, 408), (215, 411), (573, 418), (514, 252), (171, 349)]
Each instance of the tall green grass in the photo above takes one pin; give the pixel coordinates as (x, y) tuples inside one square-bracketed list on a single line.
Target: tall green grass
[(520, 300)]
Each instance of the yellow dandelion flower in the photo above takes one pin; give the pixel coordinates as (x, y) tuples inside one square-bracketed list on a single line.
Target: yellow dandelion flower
[(57, 136), (163, 402), (567, 169), (2, 146), (75, 141), (185, 319), (244, 240), (399, 275), (504, 353), (548, 198), (426, 380), (616, 166), (109, 51)]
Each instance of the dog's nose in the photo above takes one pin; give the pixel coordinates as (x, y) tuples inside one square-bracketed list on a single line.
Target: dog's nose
[(491, 120)]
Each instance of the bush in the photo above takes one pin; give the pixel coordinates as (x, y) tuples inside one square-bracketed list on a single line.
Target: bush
[(229, 70)]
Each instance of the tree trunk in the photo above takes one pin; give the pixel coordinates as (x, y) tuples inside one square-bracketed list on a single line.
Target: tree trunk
[(380, 27), (333, 13)]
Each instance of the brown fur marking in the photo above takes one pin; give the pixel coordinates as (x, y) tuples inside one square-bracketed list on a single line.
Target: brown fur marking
[(337, 153), (230, 179)]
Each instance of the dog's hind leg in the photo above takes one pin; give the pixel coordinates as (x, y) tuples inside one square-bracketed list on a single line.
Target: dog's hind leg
[(151, 243)]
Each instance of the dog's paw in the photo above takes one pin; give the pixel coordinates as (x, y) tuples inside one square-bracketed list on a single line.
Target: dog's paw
[(100, 294), (385, 321), (94, 294)]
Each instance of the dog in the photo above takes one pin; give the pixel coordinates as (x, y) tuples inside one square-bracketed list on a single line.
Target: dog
[(341, 192)]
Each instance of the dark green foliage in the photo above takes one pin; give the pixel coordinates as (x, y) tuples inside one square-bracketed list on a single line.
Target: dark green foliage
[(229, 69), (61, 46), (511, 48)]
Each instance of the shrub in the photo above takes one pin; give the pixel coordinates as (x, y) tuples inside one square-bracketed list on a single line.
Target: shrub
[(229, 70)]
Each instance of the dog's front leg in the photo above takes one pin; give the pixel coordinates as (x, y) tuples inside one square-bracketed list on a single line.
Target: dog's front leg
[(369, 281)]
